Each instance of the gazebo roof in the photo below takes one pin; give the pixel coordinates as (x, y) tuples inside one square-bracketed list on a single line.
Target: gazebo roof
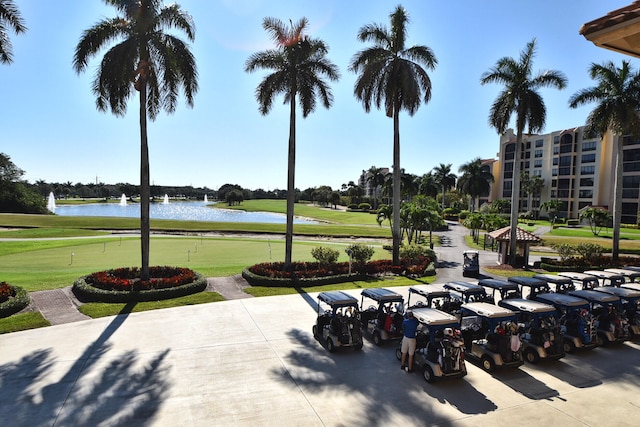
[(504, 234), (618, 30)]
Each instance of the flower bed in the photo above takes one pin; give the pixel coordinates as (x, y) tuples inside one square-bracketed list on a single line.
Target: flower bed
[(314, 273), (581, 264), (12, 299), (124, 284)]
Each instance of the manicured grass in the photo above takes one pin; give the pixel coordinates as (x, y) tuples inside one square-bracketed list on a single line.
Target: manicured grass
[(50, 233), (22, 322), (509, 273), (96, 310)]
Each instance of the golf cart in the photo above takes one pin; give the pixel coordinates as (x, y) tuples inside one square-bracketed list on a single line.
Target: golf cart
[(471, 264), (433, 296), (536, 286), (612, 323), (490, 335), (630, 276), (607, 278), (585, 281), (339, 325), (464, 292), (630, 299), (383, 321), (504, 289), (439, 348), (576, 320), (560, 284), (541, 337)]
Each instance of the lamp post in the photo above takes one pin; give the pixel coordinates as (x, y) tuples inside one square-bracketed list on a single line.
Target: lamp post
[(350, 253)]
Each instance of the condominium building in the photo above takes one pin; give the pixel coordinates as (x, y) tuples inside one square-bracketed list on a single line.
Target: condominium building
[(577, 168)]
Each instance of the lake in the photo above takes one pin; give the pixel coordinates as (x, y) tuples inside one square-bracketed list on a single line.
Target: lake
[(184, 211)]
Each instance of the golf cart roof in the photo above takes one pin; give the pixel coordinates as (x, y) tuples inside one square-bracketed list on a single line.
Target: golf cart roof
[(563, 300), (465, 287), (614, 278), (594, 296), (632, 285), (528, 306), (527, 281), (489, 310), (498, 284), (471, 252), (338, 299), (632, 274), (382, 295), (427, 291), (623, 293), (554, 278), (573, 275), (432, 316)]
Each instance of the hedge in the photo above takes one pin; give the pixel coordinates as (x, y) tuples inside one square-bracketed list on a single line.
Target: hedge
[(88, 293), (16, 303), (257, 280)]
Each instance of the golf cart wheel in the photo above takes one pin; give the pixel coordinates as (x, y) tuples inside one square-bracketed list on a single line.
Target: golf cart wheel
[(377, 339), (568, 346), (330, 346), (358, 346), (399, 353), (427, 374), (531, 356), (315, 331), (488, 364)]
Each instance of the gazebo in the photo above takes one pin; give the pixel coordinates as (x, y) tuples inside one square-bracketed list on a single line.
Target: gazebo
[(523, 240)]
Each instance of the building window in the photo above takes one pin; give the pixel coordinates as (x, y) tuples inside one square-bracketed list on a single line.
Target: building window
[(565, 171), (586, 182), (538, 153), (556, 139), (585, 194), (589, 146), (556, 160), (539, 142), (537, 173), (556, 150), (587, 170), (565, 161), (588, 158), (537, 163), (554, 172)]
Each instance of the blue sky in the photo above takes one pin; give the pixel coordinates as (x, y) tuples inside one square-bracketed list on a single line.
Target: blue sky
[(50, 128)]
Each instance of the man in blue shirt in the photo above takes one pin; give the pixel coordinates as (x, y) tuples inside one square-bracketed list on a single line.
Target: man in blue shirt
[(410, 327)]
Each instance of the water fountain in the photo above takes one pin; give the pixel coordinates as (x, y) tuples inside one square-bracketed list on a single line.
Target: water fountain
[(51, 202), (123, 200), (166, 200), (205, 199)]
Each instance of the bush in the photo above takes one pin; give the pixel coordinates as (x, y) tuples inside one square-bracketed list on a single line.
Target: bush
[(565, 250), (352, 206), (360, 253), (463, 215), (573, 222), (411, 253), (12, 299), (591, 252), (325, 255), (364, 206)]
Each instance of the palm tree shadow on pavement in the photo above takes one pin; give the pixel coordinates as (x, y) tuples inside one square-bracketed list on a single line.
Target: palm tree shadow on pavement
[(372, 377), (121, 392)]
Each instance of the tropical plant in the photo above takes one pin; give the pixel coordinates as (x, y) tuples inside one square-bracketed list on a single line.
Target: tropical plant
[(475, 181), (325, 254), (300, 65), (531, 186), (385, 213), (375, 178), (520, 96), (552, 206), (392, 76), (617, 95), (148, 59), (10, 19), (428, 185), (474, 221), (360, 253), (445, 179), (597, 219)]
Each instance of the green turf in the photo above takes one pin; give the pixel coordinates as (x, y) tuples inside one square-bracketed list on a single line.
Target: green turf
[(22, 322)]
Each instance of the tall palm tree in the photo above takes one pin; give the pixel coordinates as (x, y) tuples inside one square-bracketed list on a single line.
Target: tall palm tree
[(392, 76), (445, 178), (617, 95), (520, 96), (376, 177), (428, 185), (475, 180), (300, 66), (531, 186), (10, 19), (148, 59)]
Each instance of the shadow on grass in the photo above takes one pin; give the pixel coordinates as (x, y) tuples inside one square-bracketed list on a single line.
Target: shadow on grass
[(90, 391)]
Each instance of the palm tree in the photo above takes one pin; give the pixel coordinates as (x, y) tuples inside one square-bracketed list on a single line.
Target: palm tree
[(375, 178), (150, 60), (531, 186), (428, 185), (392, 75), (299, 63), (475, 180), (445, 179), (520, 96), (10, 18), (618, 97)]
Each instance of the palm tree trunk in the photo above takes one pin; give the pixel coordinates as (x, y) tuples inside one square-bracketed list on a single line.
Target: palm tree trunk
[(617, 202), (144, 185), (515, 199), (291, 189), (395, 232)]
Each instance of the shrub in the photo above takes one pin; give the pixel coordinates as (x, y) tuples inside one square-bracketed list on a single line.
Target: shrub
[(364, 206), (12, 299), (573, 222), (325, 255), (463, 215), (352, 206), (412, 253), (360, 253), (591, 252), (565, 250)]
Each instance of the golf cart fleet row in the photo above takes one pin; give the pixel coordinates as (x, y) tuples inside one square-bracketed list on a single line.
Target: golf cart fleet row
[(493, 323)]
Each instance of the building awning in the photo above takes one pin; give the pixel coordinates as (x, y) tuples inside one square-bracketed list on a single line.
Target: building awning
[(504, 234), (618, 30)]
